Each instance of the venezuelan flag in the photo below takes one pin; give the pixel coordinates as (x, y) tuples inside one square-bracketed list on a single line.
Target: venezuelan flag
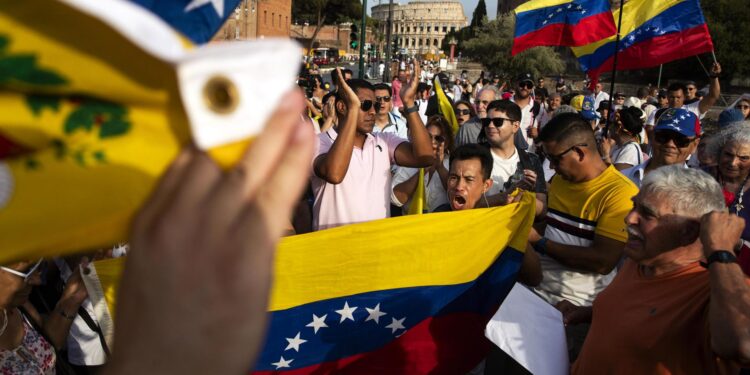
[(198, 20), (562, 23), (653, 33), (406, 295)]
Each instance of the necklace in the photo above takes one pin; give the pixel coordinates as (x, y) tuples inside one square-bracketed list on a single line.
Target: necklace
[(5, 322), (737, 203)]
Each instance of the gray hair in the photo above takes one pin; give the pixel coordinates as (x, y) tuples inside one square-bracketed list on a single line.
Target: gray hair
[(735, 133), (564, 109), (690, 191), (495, 91)]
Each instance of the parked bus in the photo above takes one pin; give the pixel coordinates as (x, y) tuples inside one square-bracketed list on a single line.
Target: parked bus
[(325, 56)]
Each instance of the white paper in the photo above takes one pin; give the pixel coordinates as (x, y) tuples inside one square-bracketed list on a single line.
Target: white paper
[(531, 331)]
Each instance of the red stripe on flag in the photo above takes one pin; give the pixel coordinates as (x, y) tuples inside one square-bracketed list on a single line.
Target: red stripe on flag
[(659, 50), (589, 30), (449, 344)]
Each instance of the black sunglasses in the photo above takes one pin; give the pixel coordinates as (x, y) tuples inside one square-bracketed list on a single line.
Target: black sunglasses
[(386, 99), (367, 104), (497, 121), (527, 85), (679, 140), (438, 138), (463, 112), (555, 159)]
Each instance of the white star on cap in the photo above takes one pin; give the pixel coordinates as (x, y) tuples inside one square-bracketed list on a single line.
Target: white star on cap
[(218, 6), (318, 323), (346, 312), (396, 324), (295, 342), (375, 314), (282, 363)]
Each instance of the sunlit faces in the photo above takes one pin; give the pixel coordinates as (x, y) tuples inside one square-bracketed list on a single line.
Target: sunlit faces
[(734, 160), (565, 159), (744, 107), (653, 228), (676, 98), (384, 98), (485, 98), (499, 128), (466, 184), (437, 137)]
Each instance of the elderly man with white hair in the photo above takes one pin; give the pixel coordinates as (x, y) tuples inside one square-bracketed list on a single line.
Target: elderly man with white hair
[(680, 304)]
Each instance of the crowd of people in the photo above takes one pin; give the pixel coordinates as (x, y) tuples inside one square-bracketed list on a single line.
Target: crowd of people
[(640, 236)]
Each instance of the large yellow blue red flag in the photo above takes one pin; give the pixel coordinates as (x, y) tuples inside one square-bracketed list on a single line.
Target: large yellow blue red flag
[(652, 33), (98, 96), (406, 295), (562, 23)]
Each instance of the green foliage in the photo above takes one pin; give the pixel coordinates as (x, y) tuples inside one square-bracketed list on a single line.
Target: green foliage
[(728, 23), (331, 11), (492, 45), (479, 17)]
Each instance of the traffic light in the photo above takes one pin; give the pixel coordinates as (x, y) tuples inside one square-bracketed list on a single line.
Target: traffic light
[(394, 46), (354, 37)]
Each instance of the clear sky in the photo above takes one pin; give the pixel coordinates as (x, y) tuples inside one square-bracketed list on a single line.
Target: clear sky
[(469, 6)]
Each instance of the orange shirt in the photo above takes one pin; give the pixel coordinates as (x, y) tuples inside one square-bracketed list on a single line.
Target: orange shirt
[(651, 325)]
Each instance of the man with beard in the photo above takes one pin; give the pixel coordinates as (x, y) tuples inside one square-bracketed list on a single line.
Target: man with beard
[(680, 304), (676, 137), (352, 170), (529, 108)]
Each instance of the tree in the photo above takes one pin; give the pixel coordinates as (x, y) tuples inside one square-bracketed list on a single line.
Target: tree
[(492, 45), (479, 18), (320, 12)]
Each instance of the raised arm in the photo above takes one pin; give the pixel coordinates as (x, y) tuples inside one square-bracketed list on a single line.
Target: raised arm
[(332, 166), (418, 152), (714, 90), (729, 307)]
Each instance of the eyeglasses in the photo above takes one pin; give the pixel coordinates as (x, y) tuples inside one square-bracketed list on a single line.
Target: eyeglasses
[(555, 159), (437, 138), (497, 121), (386, 99), (678, 139), (527, 85), (463, 112), (25, 275), (367, 104), (691, 88), (742, 106)]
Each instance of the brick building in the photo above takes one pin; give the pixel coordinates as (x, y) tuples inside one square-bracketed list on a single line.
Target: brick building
[(257, 19)]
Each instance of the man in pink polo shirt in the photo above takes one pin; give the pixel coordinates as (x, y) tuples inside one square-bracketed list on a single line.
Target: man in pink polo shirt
[(351, 178)]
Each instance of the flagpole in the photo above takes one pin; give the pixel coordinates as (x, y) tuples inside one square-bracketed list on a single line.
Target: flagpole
[(614, 68), (658, 82)]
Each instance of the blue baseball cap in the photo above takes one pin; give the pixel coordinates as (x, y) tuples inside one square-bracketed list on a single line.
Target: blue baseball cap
[(587, 109), (679, 120), (730, 116)]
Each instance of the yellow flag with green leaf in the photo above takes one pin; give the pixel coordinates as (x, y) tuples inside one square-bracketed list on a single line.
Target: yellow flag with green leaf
[(98, 97)]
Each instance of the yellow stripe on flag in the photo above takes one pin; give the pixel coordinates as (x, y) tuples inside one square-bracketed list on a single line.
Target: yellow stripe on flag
[(538, 4), (417, 204), (435, 249), (446, 107)]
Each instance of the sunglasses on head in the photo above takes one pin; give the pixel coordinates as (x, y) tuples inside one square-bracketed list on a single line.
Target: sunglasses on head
[(678, 139), (463, 112), (497, 121), (527, 85), (386, 99), (25, 275), (367, 104)]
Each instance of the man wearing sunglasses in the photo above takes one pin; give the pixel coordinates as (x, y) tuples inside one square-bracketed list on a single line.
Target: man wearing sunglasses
[(676, 137), (586, 207), (386, 120), (512, 167), (529, 108), (351, 178)]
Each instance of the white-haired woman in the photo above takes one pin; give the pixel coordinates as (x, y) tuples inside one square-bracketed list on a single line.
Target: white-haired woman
[(732, 149)]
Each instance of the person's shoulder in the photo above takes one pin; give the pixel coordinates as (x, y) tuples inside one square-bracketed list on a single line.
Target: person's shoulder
[(619, 182), (446, 207)]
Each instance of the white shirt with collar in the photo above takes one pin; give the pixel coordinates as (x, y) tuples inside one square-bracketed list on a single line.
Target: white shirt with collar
[(600, 97), (527, 120), (396, 125)]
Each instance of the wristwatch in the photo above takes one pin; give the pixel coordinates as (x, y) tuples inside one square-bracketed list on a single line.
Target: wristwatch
[(412, 109), (541, 246), (720, 256)]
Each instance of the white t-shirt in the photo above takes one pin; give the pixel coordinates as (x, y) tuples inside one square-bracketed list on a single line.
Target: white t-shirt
[(629, 153), (527, 121), (502, 170)]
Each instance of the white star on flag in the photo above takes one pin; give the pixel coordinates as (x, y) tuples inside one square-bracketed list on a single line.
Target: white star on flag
[(559, 10), (282, 363), (375, 314), (632, 38), (570, 6), (318, 323), (295, 342), (218, 6), (396, 325), (545, 22), (346, 312)]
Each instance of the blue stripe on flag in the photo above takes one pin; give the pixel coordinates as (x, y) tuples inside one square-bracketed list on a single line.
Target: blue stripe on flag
[(198, 20), (569, 13)]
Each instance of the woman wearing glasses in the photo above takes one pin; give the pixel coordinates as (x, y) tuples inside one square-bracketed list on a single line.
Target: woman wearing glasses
[(28, 343), (464, 111), (405, 180), (744, 106)]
